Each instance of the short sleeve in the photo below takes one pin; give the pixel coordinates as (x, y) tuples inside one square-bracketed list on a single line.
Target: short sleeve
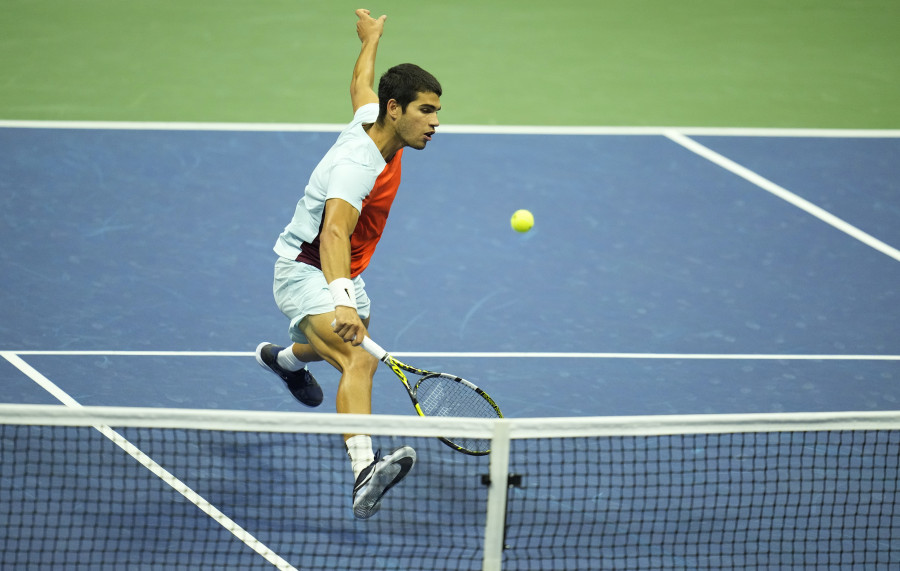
[(351, 182), (368, 113)]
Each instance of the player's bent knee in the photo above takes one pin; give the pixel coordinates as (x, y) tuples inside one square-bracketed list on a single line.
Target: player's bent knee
[(349, 359), (362, 362)]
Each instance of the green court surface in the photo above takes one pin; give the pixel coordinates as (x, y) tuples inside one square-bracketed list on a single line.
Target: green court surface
[(754, 63)]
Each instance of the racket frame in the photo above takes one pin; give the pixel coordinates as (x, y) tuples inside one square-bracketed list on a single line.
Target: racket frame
[(398, 367)]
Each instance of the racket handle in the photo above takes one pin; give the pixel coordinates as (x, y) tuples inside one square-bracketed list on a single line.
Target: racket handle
[(372, 347)]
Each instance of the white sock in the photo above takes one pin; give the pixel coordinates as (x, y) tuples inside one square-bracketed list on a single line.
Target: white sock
[(288, 361), (359, 448)]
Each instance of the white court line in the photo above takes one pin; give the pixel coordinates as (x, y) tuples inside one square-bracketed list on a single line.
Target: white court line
[(151, 465), (171, 126), (494, 355), (676, 356), (462, 129), (784, 194)]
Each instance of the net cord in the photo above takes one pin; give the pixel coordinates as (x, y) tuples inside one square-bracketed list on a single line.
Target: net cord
[(519, 428), (500, 431)]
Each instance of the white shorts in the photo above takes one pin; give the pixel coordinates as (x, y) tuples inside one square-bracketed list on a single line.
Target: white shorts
[(301, 290)]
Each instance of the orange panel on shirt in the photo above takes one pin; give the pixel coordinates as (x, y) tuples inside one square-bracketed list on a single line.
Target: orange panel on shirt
[(373, 216)]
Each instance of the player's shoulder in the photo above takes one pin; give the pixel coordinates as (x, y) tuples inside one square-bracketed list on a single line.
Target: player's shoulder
[(367, 113), (354, 143)]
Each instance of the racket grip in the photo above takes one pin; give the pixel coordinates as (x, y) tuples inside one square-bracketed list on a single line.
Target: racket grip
[(372, 347)]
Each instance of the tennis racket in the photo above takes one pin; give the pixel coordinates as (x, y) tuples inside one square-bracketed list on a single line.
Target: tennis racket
[(440, 394)]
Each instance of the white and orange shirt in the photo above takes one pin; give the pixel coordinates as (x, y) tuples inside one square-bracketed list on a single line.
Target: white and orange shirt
[(353, 170)]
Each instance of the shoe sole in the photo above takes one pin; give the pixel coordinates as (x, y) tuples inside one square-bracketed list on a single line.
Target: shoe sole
[(259, 359), (383, 480)]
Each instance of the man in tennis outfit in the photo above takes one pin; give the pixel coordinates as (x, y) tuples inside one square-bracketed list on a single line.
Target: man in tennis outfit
[(328, 243)]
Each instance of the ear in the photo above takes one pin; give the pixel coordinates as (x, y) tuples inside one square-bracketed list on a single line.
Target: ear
[(394, 110)]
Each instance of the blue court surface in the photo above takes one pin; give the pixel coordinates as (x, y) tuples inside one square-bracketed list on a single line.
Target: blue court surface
[(667, 273), (655, 281)]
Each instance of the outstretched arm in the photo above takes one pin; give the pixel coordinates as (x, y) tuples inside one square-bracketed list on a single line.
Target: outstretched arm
[(369, 31)]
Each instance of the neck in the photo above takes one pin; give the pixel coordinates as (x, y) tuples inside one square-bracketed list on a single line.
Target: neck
[(385, 139)]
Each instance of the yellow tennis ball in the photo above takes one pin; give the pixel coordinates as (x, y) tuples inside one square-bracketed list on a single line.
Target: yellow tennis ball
[(522, 220)]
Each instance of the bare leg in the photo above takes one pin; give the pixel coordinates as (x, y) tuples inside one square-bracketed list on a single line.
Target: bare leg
[(357, 367)]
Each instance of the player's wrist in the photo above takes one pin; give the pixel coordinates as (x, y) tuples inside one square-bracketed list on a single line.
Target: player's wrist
[(343, 292)]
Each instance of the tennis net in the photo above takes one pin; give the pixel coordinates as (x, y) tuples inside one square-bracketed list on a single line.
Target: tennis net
[(127, 488)]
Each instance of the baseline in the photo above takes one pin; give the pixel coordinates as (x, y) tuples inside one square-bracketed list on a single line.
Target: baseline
[(486, 355), (460, 129), (783, 194)]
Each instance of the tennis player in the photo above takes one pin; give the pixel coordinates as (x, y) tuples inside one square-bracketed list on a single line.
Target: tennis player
[(325, 248)]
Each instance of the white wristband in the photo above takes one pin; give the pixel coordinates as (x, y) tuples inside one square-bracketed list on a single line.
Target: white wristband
[(343, 292)]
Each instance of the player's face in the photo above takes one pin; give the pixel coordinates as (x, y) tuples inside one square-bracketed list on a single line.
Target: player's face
[(419, 122)]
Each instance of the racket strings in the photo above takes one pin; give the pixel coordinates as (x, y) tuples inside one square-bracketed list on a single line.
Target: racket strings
[(440, 395), (444, 396)]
